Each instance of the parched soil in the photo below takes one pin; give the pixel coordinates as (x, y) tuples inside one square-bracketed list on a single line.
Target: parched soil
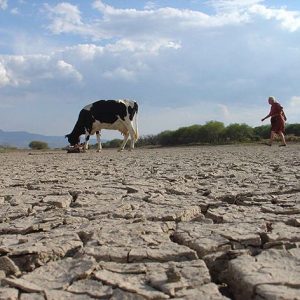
[(186, 223)]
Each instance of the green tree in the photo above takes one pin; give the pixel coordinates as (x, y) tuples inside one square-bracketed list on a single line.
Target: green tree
[(115, 143), (262, 132), (187, 135), (38, 145), (181, 136), (293, 129), (194, 132), (166, 138), (147, 140), (211, 132), (238, 132)]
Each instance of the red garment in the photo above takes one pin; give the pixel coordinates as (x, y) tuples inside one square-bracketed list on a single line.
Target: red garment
[(277, 120)]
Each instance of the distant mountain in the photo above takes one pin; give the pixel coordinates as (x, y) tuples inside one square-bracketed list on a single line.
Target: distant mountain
[(21, 139)]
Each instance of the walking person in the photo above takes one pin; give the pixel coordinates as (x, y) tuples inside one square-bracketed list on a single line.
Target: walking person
[(278, 119)]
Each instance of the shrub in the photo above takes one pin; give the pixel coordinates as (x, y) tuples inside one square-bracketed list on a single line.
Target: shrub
[(166, 138), (238, 133), (38, 145), (6, 148), (115, 143), (262, 132), (147, 140), (293, 129), (211, 132)]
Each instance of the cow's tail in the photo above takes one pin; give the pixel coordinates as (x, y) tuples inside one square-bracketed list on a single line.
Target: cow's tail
[(135, 122)]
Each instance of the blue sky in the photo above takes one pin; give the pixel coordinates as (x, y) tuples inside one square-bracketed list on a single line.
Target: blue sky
[(185, 61)]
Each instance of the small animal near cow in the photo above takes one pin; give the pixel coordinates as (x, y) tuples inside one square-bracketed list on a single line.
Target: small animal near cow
[(118, 115)]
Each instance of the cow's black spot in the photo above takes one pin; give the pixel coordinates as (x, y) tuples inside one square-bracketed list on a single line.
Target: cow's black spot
[(132, 111), (108, 111)]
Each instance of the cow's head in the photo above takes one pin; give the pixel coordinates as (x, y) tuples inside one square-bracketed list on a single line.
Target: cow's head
[(73, 139)]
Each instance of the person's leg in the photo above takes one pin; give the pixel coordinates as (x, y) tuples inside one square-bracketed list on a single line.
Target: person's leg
[(282, 138), (272, 136)]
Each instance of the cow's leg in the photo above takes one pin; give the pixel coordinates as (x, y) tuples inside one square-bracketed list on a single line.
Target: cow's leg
[(87, 138), (126, 136), (98, 141), (132, 137)]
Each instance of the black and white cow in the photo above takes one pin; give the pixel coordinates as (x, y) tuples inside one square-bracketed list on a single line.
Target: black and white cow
[(106, 114)]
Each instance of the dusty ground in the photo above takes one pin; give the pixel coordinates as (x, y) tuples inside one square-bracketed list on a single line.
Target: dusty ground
[(189, 223)]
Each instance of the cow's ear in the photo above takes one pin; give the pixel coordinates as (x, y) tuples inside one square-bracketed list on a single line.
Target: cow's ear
[(66, 136)]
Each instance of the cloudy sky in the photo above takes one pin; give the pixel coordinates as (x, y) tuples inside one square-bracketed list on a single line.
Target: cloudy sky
[(185, 61)]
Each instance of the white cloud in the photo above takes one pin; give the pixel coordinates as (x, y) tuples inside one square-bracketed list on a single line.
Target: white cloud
[(150, 5), (13, 66), (157, 28), (142, 47), (120, 73), (15, 11), (4, 79), (28, 70), (66, 11), (288, 19), (165, 19), (89, 51), (84, 51), (68, 71), (295, 102), (233, 4), (65, 17), (145, 24), (224, 111), (292, 109), (123, 60), (3, 4), (123, 48), (151, 30)]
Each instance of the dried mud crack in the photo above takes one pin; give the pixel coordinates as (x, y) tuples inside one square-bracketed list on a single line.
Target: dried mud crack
[(182, 223)]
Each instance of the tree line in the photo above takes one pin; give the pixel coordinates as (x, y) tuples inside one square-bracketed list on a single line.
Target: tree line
[(213, 132)]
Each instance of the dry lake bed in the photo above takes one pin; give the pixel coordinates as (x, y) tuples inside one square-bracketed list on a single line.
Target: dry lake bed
[(186, 223)]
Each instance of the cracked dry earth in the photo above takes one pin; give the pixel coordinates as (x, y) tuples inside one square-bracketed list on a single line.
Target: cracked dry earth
[(185, 223)]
